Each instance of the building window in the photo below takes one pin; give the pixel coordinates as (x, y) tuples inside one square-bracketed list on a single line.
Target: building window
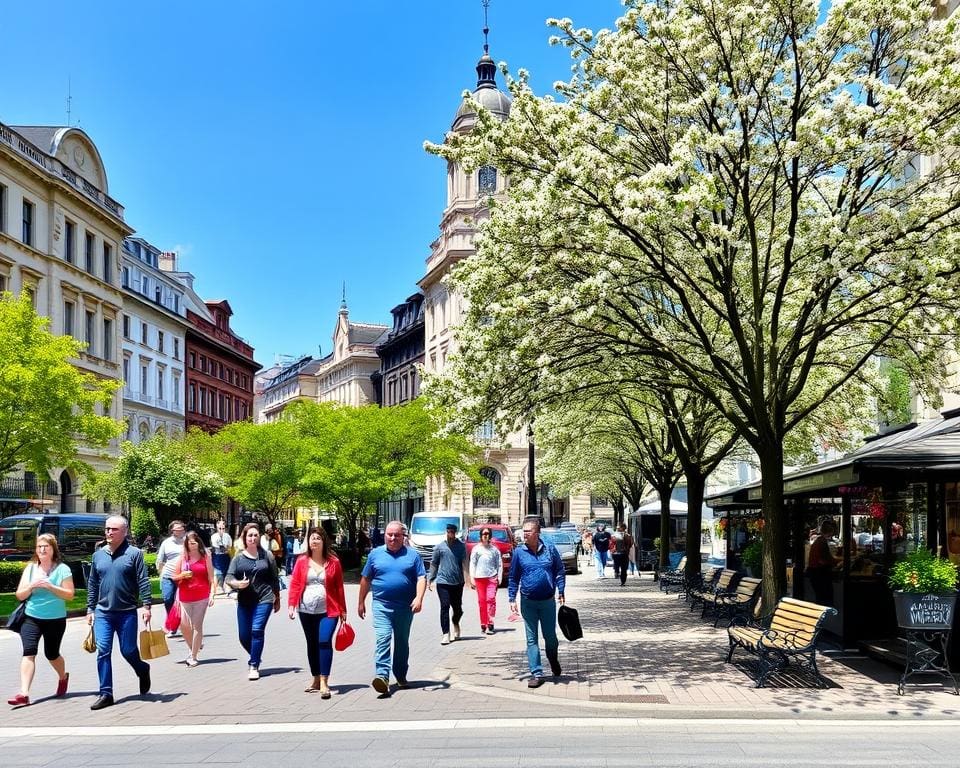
[(3, 283), (107, 263), (125, 277), (107, 339), (143, 378), (487, 180), (31, 294), (143, 333), (88, 252), (126, 371), (176, 348), (145, 286), (88, 331), (160, 341), (203, 401), (193, 359), (126, 326), (68, 309), (158, 295), (27, 231), (192, 402), (3, 208), (176, 389), (489, 497), (160, 373), (69, 241)]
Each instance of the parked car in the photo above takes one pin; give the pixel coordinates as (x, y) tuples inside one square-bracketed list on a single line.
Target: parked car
[(427, 529), (77, 536), (501, 536), (566, 543)]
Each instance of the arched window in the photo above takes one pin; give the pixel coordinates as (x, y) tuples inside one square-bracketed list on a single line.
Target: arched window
[(487, 180), (488, 498), (144, 431)]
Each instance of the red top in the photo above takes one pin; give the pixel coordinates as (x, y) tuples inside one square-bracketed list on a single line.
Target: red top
[(333, 584), (197, 588)]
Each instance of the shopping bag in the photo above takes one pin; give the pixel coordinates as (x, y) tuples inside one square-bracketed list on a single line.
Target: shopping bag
[(172, 624), (89, 643), (345, 637), (153, 643), (569, 621)]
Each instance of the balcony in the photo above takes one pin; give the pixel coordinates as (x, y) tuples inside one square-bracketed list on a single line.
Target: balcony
[(21, 488)]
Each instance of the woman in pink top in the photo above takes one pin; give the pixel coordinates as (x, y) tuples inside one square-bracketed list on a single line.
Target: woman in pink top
[(196, 579)]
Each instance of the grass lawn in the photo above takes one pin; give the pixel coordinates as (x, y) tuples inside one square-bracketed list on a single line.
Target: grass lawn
[(8, 600)]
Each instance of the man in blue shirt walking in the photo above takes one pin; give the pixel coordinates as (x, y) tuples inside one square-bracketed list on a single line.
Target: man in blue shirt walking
[(118, 580), (396, 575), (537, 573)]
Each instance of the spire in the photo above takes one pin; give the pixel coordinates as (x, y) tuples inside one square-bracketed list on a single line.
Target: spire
[(486, 68), (343, 299)]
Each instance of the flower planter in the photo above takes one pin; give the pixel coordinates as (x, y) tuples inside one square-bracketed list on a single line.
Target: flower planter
[(916, 610)]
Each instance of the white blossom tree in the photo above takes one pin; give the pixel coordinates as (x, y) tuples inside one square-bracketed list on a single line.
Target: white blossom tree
[(762, 198)]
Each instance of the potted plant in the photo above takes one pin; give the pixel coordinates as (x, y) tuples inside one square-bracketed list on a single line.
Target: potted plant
[(752, 557), (925, 591)]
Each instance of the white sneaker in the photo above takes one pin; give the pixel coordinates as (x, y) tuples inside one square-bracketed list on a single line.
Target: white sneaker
[(188, 660), (456, 632), (254, 674), (445, 639)]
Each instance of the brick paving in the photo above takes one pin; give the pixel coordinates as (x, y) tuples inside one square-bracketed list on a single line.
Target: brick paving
[(643, 655)]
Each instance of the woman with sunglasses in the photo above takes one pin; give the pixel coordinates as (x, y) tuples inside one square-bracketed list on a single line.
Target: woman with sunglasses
[(486, 571), (46, 585), (316, 592), (196, 587)]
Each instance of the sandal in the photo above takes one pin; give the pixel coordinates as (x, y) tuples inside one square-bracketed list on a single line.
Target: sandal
[(311, 689), (325, 694)]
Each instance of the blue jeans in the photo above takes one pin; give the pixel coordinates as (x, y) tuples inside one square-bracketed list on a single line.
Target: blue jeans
[(252, 627), (318, 630), (123, 624), (601, 558), (168, 588), (392, 620), (544, 613)]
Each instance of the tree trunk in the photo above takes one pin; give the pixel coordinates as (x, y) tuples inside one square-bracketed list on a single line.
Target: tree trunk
[(665, 494), (618, 511), (695, 490), (775, 528)]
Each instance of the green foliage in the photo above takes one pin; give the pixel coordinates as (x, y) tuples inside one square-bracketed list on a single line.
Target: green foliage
[(921, 572), (895, 405), (10, 575), (752, 555), (263, 465), (47, 405), (143, 522), (160, 474)]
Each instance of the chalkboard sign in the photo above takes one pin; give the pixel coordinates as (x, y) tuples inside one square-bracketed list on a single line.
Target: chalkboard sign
[(918, 611)]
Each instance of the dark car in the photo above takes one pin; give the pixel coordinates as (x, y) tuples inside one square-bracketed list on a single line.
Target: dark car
[(501, 536), (566, 543), (77, 536)]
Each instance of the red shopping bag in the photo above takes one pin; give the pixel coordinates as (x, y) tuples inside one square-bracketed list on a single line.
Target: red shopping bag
[(345, 637), (172, 624)]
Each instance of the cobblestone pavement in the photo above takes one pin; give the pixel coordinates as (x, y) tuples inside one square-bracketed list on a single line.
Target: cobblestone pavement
[(643, 655)]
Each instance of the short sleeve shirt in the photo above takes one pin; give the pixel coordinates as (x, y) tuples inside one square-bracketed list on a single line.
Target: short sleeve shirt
[(43, 604), (393, 575)]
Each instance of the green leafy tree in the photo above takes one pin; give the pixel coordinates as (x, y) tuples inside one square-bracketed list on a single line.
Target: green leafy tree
[(144, 523), (161, 475), (358, 456), (263, 465), (48, 407), (729, 187)]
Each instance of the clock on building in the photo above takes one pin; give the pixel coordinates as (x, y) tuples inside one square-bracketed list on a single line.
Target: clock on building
[(487, 180)]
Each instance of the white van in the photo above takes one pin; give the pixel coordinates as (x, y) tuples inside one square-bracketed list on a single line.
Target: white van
[(427, 529)]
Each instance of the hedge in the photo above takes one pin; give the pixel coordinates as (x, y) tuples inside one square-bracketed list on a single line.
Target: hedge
[(10, 575)]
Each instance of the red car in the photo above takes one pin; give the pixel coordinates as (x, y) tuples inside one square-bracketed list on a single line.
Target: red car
[(502, 538)]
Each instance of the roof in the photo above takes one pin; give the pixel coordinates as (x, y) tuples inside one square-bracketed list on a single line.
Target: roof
[(365, 333), (43, 136)]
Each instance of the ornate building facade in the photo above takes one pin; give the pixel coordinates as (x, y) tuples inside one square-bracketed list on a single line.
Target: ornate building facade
[(401, 355)]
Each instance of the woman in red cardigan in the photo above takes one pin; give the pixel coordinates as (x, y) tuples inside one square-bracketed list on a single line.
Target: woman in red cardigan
[(316, 592)]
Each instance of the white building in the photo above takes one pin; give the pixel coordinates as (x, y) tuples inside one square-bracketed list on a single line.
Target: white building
[(60, 241), (343, 376), (153, 331)]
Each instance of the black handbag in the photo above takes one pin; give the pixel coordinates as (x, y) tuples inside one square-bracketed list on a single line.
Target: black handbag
[(17, 616), (569, 621)]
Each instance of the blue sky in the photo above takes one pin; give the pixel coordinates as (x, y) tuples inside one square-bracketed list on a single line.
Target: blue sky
[(280, 151)]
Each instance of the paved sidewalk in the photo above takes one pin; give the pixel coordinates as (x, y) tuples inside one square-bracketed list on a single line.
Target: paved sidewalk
[(644, 652), (644, 655)]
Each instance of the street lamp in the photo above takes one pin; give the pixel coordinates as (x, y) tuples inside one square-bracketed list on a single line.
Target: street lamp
[(520, 500), (531, 477)]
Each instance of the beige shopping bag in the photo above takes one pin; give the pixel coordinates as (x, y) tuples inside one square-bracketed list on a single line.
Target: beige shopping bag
[(153, 643)]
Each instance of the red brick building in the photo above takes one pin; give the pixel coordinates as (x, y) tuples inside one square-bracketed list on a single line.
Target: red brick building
[(219, 370)]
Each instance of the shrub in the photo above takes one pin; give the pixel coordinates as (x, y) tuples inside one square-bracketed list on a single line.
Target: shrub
[(144, 523), (10, 575), (752, 555), (921, 572)]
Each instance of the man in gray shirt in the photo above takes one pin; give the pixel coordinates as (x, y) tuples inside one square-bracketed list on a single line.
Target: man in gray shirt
[(448, 568)]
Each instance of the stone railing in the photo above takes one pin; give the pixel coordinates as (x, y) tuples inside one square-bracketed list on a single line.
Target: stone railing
[(50, 164)]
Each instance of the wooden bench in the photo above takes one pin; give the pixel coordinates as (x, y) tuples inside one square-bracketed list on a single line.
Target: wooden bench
[(673, 577), (731, 603), (708, 590), (790, 634)]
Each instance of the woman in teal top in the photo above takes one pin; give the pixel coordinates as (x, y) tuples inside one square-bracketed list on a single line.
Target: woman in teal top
[(46, 585)]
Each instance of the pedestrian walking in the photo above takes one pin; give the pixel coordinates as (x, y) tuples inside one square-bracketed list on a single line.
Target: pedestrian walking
[(169, 551), (254, 574), (196, 584), (536, 572), (316, 592), (45, 584), (586, 541), (632, 557), (621, 543), (448, 569), (220, 545), (486, 573), (601, 548), (118, 581), (398, 580)]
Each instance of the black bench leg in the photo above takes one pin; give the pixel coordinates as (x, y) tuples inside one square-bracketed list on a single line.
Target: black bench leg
[(730, 652)]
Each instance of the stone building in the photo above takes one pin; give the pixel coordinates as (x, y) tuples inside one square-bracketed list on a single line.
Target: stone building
[(60, 242), (401, 355), (343, 376)]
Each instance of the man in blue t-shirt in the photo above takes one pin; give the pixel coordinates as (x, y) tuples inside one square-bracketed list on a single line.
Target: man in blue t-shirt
[(396, 575)]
